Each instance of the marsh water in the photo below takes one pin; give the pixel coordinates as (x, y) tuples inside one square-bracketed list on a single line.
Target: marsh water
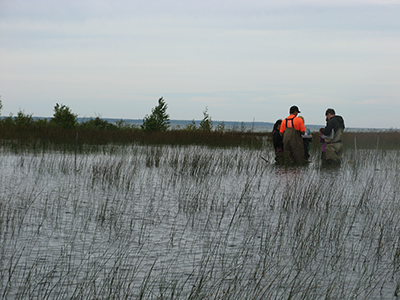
[(143, 222)]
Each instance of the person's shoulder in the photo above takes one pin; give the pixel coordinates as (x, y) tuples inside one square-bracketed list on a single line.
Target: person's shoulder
[(340, 121), (340, 118), (337, 119), (298, 119)]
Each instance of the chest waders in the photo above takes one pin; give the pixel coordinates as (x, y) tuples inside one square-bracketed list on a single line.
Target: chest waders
[(334, 147), (293, 148)]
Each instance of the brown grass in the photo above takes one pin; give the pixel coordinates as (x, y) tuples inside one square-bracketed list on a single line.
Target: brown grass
[(385, 140), (32, 135), (41, 136)]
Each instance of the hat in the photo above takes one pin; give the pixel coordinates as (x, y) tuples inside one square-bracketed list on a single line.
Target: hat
[(293, 109)]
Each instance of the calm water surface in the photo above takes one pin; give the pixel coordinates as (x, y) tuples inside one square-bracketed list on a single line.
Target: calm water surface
[(198, 223)]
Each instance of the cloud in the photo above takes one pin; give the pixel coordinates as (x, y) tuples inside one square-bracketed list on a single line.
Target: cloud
[(242, 60)]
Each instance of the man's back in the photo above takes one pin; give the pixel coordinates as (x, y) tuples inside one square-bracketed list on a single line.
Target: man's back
[(293, 122)]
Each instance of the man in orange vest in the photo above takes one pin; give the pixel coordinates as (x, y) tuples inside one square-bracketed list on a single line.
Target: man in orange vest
[(292, 128)]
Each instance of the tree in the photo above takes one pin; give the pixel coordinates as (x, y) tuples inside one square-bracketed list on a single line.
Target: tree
[(191, 127), (123, 125), (1, 105), (206, 123), (221, 127), (158, 120), (22, 119), (63, 117), (98, 124)]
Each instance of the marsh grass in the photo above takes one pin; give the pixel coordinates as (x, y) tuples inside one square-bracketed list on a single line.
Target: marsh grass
[(193, 222), (47, 138), (383, 140)]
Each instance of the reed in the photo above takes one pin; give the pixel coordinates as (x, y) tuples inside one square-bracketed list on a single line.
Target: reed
[(384, 139), (49, 138), (193, 222)]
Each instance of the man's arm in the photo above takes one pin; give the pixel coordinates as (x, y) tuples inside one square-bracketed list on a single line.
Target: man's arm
[(328, 129), (283, 127), (301, 126)]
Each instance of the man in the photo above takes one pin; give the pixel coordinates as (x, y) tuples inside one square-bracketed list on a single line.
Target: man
[(277, 141), (292, 128), (332, 134)]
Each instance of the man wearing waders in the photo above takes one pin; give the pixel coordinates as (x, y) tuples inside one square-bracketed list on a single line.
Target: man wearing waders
[(332, 135), (292, 128)]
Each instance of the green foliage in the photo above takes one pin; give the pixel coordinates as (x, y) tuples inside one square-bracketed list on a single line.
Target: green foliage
[(63, 117), (123, 125), (191, 127), (8, 121), (1, 105), (206, 124), (158, 120), (41, 123), (23, 120), (242, 127), (98, 124), (221, 127)]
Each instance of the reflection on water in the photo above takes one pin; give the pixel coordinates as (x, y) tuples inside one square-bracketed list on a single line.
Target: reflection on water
[(196, 222)]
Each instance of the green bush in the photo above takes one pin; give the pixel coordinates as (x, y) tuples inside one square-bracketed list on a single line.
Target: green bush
[(23, 120), (191, 127), (158, 120), (206, 124), (63, 117), (98, 124)]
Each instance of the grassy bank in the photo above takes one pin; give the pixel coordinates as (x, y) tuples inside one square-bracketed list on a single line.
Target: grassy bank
[(36, 137), (42, 138), (385, 140)]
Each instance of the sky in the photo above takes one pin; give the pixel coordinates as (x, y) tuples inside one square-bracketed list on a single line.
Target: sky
[(239, 60)]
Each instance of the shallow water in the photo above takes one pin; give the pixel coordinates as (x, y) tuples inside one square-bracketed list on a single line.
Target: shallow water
[(198, 223)]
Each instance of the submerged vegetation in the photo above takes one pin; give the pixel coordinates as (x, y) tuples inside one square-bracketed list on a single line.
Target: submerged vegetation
[(190, 222)]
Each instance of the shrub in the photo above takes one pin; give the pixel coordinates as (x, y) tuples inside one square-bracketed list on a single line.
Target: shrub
[(22, 119), (221, 127), (158, 120), (63, 117), (191, 127), (98, 124), (123, 125), (206, 123)]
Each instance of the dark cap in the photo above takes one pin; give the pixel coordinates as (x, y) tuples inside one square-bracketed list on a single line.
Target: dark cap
[(293, 109)]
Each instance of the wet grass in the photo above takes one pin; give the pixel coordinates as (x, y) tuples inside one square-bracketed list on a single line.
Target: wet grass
[(193, 222), (50, 138)]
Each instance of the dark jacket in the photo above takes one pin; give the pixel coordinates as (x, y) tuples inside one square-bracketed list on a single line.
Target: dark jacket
[(335, 123), (277, 140)]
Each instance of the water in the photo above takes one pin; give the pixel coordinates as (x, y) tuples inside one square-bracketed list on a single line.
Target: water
[(198, 223)]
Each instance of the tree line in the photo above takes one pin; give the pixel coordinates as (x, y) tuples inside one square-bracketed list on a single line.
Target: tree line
[(63, 131), (23, 130), (63, 117)]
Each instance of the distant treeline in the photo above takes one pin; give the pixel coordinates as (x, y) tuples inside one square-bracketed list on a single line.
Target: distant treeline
[(63, 128)]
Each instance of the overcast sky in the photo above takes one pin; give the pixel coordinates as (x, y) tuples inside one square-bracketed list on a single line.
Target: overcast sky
[(243, 60)]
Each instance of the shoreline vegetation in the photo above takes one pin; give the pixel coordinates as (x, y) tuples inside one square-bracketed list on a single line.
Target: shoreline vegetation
[(43, 134), (66, 131)]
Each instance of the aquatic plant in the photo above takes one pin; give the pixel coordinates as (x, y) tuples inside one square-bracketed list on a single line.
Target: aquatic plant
[(193, 222)]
